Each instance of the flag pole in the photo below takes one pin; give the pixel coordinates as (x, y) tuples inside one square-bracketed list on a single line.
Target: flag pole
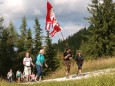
[(62, 35), (66, 44)]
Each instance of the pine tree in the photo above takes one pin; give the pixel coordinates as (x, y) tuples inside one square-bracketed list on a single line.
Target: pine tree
[(13, 43), (29, 42), (50, 55), (6, 49), (7, 53), (22, 38), (102, 19), (1, 23), (108, 27), (13, 33), (21, 43), (38, 37)]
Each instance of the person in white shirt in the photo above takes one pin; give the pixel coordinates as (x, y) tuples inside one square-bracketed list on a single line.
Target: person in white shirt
[(27, 62), (10, 76)]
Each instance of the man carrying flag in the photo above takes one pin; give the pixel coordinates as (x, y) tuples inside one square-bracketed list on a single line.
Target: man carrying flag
[(51, 21)]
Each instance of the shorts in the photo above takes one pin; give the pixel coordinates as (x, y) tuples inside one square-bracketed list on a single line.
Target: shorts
[(18, 76), (79, 66), (27, 70)]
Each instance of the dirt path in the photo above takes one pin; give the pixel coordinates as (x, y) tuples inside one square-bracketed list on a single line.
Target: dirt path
[(75, 77)]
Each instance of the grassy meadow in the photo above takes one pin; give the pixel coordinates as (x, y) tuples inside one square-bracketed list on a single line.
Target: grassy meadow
[(104, 80), (90, 65)]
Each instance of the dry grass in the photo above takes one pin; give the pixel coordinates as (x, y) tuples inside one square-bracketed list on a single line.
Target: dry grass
[(105, 80), (87, 66)]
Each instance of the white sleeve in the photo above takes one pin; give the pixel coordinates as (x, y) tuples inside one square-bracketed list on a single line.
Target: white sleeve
[(23, 59), (30, 59)]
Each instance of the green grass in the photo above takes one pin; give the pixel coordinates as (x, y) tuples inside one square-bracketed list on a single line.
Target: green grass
[(88, 66), (103, 80)]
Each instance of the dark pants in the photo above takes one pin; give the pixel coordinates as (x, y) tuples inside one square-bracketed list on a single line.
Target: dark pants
[(10, 79), (39, 70)]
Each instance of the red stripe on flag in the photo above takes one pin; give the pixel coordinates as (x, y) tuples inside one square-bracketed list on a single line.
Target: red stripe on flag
[(56, 29), (48, 20), (51, 20)]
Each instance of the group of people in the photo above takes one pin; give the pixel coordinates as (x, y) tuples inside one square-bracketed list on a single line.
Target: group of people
[(27, 75), (27, 62), (20, 76), (40, 60), (67, 61)]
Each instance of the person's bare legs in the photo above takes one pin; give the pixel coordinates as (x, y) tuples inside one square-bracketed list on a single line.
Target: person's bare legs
[(67, 69), (79, 72), (18, 79), (27, 78)]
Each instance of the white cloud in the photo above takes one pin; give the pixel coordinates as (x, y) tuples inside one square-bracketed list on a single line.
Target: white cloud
[(69, 13), (71, 10), (72, 5), (71, 28), (37, 12), (65, 10), (1, 1), (16, 9)]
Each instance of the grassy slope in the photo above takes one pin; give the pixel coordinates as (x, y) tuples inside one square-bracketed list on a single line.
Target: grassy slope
[(88, 66), (104, 80), (107, 80)]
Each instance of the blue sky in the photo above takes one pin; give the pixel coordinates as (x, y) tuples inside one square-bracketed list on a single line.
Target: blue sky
[(69, 13)]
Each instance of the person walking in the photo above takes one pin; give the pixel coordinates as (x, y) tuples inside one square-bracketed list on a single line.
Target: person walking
[(10, 75), (67, 57), (79, 61), (33, 78), (39, 64), (18, 75), (27, 62)]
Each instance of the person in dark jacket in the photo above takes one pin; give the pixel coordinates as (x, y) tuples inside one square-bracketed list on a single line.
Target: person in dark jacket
[(67, 57), (79, 61)]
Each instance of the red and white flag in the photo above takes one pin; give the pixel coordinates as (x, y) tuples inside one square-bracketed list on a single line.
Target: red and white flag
[(51, 20), (48, 20), (56, 28)]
